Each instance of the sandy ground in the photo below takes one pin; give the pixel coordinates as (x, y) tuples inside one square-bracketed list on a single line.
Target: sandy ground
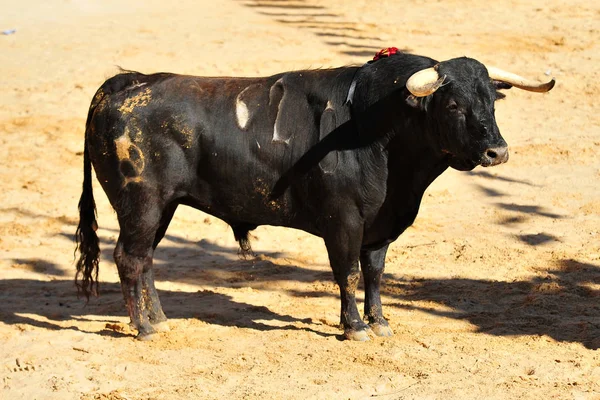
[(494, 293)]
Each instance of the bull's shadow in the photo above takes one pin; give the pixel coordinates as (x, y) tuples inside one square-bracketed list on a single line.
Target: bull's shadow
[(57, 303), (177, 259), (562, 305)]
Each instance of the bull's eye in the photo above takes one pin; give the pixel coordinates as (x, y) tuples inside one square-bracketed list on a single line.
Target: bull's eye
[(452, 106)]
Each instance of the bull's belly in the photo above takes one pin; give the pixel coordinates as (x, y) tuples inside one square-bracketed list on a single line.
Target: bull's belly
[(250, 202)]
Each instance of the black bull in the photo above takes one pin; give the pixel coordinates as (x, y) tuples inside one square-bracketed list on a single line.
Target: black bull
[(293, 150)]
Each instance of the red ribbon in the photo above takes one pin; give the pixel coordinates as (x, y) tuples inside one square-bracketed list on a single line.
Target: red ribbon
[(385, 53)]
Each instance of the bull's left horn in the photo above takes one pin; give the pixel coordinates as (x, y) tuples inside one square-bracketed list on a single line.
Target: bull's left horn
[(424, 82), (519, 81)]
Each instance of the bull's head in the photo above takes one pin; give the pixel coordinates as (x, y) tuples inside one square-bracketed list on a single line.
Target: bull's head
[(459, 96)]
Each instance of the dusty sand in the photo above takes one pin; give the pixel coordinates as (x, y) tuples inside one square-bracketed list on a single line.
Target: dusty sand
[(494, 293)]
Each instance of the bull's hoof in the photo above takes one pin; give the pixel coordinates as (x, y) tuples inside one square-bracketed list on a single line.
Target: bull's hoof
[(381, 330), (161, 326), (357, 336), (146, 337)]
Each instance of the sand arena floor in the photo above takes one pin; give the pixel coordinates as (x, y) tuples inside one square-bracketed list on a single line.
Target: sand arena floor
[(493, 293)]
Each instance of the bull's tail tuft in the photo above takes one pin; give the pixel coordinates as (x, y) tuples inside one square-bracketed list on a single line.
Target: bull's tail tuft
[(240, 233), (88, 245)]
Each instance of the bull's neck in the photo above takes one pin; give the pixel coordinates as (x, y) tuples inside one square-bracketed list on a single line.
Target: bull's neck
[(413, 162), (411, 156), (407, 166)]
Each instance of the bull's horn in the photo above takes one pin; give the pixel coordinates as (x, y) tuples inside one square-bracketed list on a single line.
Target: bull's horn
[(519, 81), (424, 82)]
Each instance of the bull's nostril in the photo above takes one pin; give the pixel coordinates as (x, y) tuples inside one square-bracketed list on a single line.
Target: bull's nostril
[(494, 156), (491, 154)]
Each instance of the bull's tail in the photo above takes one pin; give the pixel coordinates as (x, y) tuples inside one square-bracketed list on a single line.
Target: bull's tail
[(86, 278), (240, 232)]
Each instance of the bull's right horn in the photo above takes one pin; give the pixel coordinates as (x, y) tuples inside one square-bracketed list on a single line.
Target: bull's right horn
[(424, 82), (518, 81)]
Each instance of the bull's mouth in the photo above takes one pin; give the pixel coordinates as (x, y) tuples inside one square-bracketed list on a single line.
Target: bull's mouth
[(489, 158), (461, 164)]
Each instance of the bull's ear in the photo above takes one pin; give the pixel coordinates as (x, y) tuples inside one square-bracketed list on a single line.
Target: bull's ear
[(420, 103), (413, 101), (499, 85)]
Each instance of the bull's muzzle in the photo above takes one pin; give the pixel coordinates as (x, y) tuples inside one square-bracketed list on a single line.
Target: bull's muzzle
[(494, 156)]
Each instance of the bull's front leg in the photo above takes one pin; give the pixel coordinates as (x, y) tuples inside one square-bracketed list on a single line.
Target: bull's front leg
[(343, 247), (372, 263)]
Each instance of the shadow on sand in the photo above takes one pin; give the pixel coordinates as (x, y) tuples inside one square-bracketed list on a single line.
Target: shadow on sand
[(562, 305), (346, 37)]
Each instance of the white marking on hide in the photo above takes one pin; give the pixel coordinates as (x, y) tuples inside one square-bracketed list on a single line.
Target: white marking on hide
[(241, 110), (136, 85), (350, 97), (329, 105), (276, 137), (258, 144)]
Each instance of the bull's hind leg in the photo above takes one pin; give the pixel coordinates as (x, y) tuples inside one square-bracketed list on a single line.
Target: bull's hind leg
[(157, 317), (132, 261), (372, 263), (133, 256)]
